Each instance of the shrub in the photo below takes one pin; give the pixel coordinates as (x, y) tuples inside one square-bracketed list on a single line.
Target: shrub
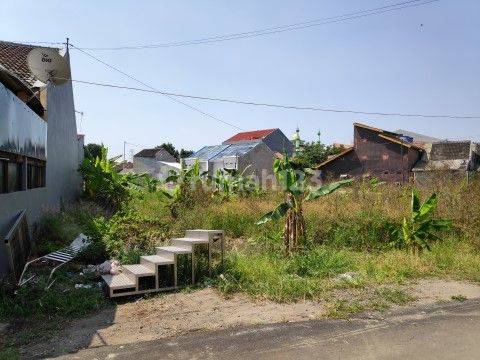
[(420, 229), (57, 229)]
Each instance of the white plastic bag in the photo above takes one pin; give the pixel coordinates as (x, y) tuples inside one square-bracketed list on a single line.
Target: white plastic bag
[(111, 267)]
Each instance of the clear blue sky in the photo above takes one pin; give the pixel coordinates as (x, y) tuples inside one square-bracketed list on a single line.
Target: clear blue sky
[(386, 63)]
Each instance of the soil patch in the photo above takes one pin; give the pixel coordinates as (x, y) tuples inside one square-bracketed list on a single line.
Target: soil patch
[(178, 313)]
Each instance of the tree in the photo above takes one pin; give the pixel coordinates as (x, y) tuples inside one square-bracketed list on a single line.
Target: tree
[(297, 189), (174, 152), (103, 184), (185, 153), (170, 149), (314, 153), (92, 151)]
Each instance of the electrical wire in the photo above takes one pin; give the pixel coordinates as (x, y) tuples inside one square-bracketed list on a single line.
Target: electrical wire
[(153, 89), (280, 106), (274, 30)]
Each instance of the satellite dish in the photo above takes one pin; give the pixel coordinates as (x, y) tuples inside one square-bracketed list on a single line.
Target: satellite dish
[(47, 65)]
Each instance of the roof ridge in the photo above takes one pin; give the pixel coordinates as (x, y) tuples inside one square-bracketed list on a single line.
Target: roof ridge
[(26, 44)]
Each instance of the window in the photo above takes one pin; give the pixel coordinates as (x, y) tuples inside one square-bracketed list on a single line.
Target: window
[(12, 173), (14, 176), (35, 174), (3, 176)]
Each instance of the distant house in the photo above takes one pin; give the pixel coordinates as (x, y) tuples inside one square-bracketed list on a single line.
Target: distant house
[(156, 162), (448, 159), (40, 150), (254, 156), (275, 140), (375, 152)]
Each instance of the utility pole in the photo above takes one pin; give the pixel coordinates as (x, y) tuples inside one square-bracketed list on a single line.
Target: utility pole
[(124, 159)]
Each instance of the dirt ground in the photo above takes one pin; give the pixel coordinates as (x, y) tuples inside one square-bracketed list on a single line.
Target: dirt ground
[(206, 309)]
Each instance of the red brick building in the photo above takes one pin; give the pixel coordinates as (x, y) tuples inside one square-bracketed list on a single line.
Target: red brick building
[(383, 154)]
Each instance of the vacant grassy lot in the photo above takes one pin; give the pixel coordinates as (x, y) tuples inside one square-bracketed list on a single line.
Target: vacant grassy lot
[(347, 232), (348, 247)]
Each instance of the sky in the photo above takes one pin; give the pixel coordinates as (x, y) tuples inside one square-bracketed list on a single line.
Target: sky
[(421, 60)]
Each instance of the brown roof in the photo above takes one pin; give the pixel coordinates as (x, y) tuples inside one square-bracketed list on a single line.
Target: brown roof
[(344, 152), (147, 153), (250, 135), (368, 127), (451, 150), (13, 57), (158, 153), (401, 142), (390, 136)]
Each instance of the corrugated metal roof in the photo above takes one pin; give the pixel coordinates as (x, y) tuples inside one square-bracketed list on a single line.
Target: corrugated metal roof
[(236, 149), (250, 135), (208, 152), (218, 151)]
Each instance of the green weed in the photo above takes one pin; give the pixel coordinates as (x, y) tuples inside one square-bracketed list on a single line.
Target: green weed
[(458, 298)]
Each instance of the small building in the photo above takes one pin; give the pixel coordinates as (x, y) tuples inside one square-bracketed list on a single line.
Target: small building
[(448, 160), (386, 155), (39, 148), (254, 156), (157, 162), (275, 140)]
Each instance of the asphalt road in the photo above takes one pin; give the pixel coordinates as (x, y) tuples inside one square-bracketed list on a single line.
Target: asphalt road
[(446, 331)]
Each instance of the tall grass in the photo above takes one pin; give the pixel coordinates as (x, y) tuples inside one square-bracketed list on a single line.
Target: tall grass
[(348, 231)]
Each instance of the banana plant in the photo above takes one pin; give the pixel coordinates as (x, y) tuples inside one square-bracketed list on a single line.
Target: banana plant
[(297, 189), (102, 183), (228, 182), (420, 229), (184, 181)]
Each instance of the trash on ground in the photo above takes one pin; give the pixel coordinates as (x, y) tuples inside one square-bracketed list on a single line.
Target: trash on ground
[(111, 267), (348, 276)]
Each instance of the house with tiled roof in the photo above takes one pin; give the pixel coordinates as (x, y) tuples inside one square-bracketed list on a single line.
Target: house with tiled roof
[(39, 150), (275, 139)]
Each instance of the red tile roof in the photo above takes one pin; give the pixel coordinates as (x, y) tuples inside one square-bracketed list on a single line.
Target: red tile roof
[(250, 135)]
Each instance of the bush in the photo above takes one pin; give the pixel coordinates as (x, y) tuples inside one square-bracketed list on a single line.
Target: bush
[(62, 298), (57, 229)]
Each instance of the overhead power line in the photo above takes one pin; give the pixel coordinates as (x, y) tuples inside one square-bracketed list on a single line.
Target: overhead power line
[(153, 89), (275, 30), (280, 106)]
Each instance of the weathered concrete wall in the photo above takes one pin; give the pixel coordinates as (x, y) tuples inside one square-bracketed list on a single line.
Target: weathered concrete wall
[(144, 165), (278, 142), (63, 182), (157, 169), (260, 160)]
